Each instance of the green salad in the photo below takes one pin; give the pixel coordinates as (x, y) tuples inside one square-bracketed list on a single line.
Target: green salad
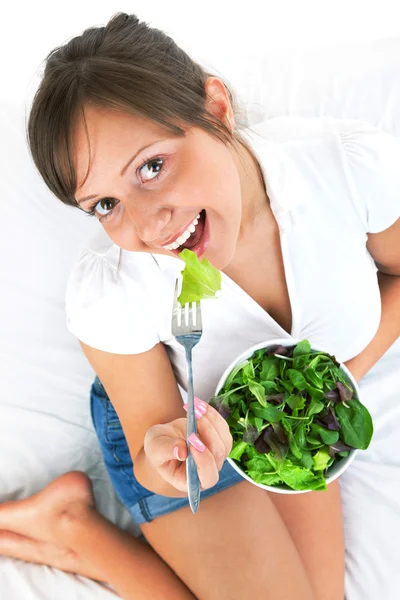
[(292, 413), (200, 280)]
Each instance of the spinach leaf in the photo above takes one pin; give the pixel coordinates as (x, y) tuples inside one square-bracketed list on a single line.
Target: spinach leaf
[(303, 347), (258, 391), (314, 392), (327, 435), (315, 407), (297, 379), (314, 378), (269, 386), (269, 412), (301, 354), (356, 424), (296, 402), (270, 368)]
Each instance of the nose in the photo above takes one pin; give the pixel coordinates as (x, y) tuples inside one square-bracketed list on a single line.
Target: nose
[(149, 220)]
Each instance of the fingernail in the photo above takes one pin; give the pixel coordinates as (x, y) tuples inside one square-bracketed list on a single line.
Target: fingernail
[(176, 452), (196, 443), (202, 406), (197, 411)]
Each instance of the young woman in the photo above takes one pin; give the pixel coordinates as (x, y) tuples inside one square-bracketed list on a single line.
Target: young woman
[(297, 215)]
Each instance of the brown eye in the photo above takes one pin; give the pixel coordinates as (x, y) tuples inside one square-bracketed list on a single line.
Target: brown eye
[(151, 169), (105, 206)]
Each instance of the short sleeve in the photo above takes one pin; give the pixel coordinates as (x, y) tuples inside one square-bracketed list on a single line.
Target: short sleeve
[(372, 160), (106, 309)]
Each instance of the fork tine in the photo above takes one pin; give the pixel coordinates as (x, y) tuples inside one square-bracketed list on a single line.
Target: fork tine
[(199, 324), (176, 303), (191, 315), (176, 312)]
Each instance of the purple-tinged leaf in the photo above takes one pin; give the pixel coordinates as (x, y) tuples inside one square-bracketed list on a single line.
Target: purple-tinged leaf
[(339, 446), (221, 406), (345, 393), (261, 445), (250, 435), (333, 395), (329, 420), (280, 433), (279, 350), (289, 351), (271, 439), (275, 398)]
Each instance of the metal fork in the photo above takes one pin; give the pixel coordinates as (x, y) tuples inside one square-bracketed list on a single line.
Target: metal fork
[(187, 329)]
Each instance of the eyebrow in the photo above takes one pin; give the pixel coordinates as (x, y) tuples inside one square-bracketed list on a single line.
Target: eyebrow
[(123, 170)]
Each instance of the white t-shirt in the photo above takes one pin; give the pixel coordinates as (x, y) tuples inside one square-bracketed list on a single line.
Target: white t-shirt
[(330, 182)]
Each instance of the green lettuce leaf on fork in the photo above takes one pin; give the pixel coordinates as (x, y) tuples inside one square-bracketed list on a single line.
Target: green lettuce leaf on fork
[(200, 280)]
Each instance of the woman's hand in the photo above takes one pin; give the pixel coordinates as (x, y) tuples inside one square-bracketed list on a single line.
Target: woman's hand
[(165, 447)]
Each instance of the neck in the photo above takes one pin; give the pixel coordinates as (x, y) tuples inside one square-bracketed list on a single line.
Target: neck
[(256, 209)]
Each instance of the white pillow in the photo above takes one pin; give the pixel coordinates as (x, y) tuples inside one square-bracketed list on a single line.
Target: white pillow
[(357, 81)]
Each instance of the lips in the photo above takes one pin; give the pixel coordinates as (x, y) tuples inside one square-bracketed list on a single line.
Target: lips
[(195, 237), (199, 241), (184, 233)]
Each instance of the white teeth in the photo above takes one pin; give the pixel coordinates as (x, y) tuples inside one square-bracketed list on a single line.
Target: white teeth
[(180, 240), (173, 246), (184, 235)]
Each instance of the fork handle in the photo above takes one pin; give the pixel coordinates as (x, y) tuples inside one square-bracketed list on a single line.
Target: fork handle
[(192, 476)]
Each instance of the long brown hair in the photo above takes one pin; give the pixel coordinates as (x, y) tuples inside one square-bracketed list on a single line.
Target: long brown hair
[(125, 65)]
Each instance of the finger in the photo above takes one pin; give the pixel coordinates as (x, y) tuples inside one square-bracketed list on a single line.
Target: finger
[(219, 423), (163, 444), (207, 468), (221, 426), (211, 437)]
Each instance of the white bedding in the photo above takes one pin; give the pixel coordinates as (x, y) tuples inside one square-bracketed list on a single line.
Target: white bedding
[(45, 426)]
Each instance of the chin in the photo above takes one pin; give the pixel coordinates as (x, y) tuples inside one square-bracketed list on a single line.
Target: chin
[(219, 259)]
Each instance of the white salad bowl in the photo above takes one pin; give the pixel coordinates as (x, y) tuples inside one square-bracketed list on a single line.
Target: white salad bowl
[(337, 468)]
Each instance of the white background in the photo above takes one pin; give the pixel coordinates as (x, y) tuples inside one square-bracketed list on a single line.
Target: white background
[(209, 29)]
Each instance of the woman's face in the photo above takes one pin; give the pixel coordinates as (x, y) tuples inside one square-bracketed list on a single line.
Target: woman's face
[(148, 187)]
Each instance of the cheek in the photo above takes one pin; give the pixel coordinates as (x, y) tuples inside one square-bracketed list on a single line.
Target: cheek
[(211, 182), (125, 237)]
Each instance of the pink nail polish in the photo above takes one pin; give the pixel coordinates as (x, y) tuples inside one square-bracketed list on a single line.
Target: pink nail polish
[(176, 452), (202, 406), (196, 443), (197, 411)]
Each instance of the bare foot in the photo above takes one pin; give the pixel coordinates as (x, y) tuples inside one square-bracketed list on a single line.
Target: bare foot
[(32, 529), (39, 516)]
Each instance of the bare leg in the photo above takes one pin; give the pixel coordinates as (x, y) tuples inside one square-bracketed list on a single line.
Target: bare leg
[(235, 548), (60, 527), (316, 526)]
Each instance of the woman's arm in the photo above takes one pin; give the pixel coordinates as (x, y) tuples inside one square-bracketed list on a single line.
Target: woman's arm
[(385, 249), (143, 391)]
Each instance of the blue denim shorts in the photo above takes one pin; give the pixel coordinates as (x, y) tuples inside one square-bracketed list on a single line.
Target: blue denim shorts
[(143, 505)]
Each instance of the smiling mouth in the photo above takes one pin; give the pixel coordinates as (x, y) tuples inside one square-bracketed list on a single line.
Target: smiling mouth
[(191, 236)]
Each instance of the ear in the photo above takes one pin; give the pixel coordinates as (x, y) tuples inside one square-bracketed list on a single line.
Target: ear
[(218, 103)]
